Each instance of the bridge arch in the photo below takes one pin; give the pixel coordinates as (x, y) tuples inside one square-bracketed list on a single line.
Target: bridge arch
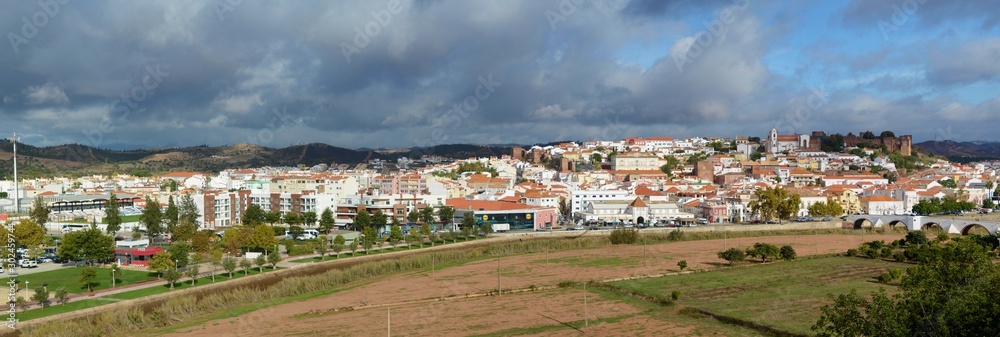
[(863, 223), (896, 225), (932, 227), (975, 229)]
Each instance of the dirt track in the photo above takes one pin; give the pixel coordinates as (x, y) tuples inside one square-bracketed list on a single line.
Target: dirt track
[(457, 317)]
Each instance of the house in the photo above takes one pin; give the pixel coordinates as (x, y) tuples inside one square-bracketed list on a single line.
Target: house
[(880, 204)]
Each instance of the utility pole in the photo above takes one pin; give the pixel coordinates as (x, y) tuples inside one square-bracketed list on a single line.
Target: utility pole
[(499, 289), (586, 316), (17, 198), (388, 321)]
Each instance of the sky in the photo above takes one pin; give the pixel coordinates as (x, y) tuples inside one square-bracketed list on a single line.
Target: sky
[(404, 73)]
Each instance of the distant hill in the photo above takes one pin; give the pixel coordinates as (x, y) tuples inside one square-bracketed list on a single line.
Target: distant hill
[(77, 159), (962, 151)]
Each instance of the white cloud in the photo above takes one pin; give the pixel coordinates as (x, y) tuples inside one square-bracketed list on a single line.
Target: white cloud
[(47, 93), (239, 104)]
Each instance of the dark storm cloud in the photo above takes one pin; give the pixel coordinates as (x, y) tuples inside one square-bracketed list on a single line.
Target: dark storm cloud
[(371, 73)]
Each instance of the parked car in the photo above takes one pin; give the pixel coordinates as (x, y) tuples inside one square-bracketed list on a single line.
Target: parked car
[(27, 263), (828, 218)]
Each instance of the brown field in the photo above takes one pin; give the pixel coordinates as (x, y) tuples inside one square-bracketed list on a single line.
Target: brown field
[(450, 301)]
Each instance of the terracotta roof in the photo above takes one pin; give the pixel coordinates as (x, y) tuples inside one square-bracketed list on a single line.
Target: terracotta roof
[(638, 203)]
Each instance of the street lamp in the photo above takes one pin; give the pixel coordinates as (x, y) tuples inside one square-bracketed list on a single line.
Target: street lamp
[(112, 276)]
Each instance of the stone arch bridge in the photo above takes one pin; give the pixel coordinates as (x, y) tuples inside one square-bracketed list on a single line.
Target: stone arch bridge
[(950, 226)]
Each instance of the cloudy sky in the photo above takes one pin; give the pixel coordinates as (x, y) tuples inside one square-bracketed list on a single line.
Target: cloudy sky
[(129, 74)]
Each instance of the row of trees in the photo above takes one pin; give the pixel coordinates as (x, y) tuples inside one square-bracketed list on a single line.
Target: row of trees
[(939, 205), (181, 220), (762, 250)]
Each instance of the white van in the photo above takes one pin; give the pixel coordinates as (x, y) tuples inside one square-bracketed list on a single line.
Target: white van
[(307, 234)]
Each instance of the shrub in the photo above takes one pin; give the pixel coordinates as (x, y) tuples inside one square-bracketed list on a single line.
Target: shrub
[(566, 284), (278, 230), (886, 252), (943, 237), (624, 236), (732, 255), (675, 235), (852, 252), (682, 264), (676, 294), (787, 253), (872, 253), (899, 257)]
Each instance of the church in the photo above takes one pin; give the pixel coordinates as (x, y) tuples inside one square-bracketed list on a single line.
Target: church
[(775, 143)]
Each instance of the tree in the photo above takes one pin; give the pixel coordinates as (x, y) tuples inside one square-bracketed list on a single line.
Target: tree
[(682, 264), (245, 264), (826, 208), (215, 258), (425, 231), (447, 215), (948, 183), (379, 220), (41, 296), (988, 203), (171, 275), (233, 239), (774, 202), (672, 164), (187, 219), (395, 234), (29, 233), (260, 261), (353, 246), (292, 219), (887, 134), (272, 217), (916, 238), (324, 245), (413, 237), (413, 216), (362, 220), (368, 238), (951, 292), (112, 215), (86, 245), (180, 253), (787, 253), (338, 244), (253, 216), (309, 218), (274, 259), (152, 218), (326, 222), (39, 212), (295, 231), (3, 195), (469, 220), (763, 250), (62, 296), (486, 228), (201, 242), (170, 215), (427, 215), (732, 255), (192, 271), (261, 238), (229, 264), (161, 262), (88, 275)]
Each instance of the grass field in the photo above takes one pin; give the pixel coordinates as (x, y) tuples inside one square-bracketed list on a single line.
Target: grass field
[(70, 278), (184, 283), (60, 308), (785, 295)]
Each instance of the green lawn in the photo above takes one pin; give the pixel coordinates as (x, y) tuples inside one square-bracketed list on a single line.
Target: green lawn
[(785, 295), (60, 308), (69, 277), (184, 283)]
